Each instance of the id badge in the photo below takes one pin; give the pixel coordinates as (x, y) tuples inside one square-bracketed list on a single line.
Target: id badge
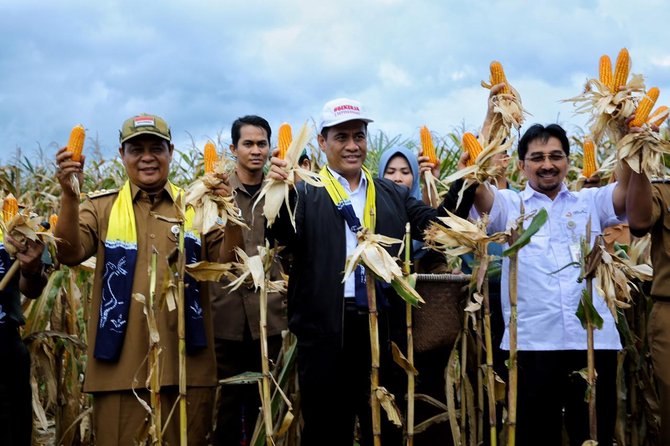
[(575, 252)]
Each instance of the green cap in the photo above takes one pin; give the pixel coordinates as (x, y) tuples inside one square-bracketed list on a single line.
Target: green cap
[(144, 124)]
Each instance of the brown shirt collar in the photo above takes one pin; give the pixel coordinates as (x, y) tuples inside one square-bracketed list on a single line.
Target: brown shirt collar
[(237, 185), (136, 191)]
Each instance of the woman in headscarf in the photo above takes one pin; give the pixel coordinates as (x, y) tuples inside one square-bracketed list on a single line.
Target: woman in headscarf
[(401, 166)]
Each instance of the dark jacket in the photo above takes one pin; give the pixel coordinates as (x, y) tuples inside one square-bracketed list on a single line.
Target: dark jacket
[(318, 250)]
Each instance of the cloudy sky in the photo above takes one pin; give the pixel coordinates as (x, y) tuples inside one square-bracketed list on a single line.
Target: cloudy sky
[(200, 64)]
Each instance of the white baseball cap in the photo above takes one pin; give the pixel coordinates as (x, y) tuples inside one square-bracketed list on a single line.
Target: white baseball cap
[(342, 110)]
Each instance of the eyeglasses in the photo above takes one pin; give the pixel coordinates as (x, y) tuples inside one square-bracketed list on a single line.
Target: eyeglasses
[(540, 157)]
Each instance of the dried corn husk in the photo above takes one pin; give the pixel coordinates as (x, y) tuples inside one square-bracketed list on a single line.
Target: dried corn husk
[(484, 167), (26, 226), (508, 109), (456, 236), (387, 401), (275, 192), (614, 276), (608, 109), (643, 151), (371, 253), (212, 209)]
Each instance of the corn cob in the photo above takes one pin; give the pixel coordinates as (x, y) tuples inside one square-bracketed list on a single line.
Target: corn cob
[(605, 70), (76, 142), (621, 70), (210, 156), (589, 167), (498, 76), (10, 207), (472, 146), (658, 116), (427, 146), (285, 138), (53, 219), (644, 107)]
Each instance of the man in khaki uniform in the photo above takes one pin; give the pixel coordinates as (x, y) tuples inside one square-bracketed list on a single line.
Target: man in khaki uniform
[(236, 314), (653, 215), (118, 337)]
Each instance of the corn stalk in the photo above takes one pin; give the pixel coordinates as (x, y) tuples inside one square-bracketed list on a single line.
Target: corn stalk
[(154, 353), (374, 350), (513, 371), (410, 345), (265, 361), (181, 321)]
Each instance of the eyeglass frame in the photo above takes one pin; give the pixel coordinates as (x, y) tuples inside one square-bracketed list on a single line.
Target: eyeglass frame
[(553, 157)]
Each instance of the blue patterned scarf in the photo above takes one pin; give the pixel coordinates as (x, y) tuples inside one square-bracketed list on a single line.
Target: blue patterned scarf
[(117, 281)]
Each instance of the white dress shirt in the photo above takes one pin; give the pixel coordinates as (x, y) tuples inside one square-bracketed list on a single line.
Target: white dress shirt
[(547, 299), (357, 199)]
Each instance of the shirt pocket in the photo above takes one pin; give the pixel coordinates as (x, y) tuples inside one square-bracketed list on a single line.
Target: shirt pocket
[(540, 242), (574, 224), (539, 246)]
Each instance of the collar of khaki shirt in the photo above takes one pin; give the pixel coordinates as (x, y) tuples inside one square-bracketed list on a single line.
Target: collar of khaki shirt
[(237, 185), (136, 191)]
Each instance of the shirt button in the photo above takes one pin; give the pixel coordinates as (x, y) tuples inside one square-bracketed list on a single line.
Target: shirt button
[(152, 235)]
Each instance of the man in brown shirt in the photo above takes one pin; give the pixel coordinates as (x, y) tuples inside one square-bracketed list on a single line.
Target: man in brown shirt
[(114, 372), (653, 215), (236, 314)]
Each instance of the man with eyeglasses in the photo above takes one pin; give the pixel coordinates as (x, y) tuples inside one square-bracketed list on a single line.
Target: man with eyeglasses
[(551, 339)]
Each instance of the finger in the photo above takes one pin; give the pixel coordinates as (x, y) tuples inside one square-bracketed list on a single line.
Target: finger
[(497, 89)]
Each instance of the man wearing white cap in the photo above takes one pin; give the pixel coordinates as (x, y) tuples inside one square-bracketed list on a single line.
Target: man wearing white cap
[(329, 316)]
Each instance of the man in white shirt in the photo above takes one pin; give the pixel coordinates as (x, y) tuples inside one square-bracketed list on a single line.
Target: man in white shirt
[(551, 339)]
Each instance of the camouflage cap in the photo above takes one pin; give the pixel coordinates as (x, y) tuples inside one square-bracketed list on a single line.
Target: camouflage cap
[(144, 124)]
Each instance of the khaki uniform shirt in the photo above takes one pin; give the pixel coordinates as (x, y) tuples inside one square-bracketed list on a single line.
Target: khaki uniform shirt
[(151, 232), (660, 240), (231, 311)]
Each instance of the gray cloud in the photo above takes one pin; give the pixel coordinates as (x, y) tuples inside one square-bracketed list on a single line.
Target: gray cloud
[(200, 64)]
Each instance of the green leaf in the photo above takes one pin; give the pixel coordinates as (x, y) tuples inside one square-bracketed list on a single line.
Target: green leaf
[(405, 289), (535, 225), (585, 309), (243, 378)]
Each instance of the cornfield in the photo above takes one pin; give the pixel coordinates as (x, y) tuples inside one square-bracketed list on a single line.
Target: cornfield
[(55, 330)]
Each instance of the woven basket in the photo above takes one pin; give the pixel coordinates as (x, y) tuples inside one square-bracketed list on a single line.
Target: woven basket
[(438, 321)]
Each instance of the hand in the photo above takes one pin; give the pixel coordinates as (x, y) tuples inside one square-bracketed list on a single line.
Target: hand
[(65, 168), (592, 181), (277, 167), (223, 188), (654, 128), (28, 254), (425, 166), (463, 160), (490, 113)]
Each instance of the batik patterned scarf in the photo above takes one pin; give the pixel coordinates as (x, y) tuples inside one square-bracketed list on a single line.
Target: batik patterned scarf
[(343, 203), (117, 281)]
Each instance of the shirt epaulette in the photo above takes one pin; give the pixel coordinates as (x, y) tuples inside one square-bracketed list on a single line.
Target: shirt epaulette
[(101, 193)]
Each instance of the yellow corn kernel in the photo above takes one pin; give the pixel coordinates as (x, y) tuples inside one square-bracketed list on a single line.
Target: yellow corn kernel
[(644, 107), (76, 142), (589, 167), (658, 116), (285, 139), (53, 219), (621, 70), (605, 70), (498, 76), (427, 146), (210, 156), (10, 207), (472, 146)]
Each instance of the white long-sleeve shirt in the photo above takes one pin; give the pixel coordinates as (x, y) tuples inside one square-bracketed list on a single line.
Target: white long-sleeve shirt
[(548, 300)]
